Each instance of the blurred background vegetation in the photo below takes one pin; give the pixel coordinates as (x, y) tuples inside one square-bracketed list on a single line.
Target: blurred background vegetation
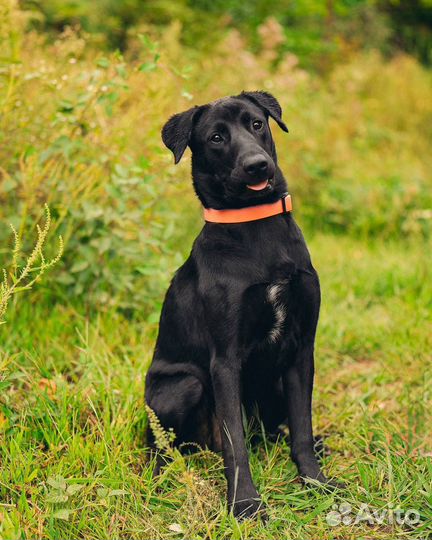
[(314, 30), (86, 87)]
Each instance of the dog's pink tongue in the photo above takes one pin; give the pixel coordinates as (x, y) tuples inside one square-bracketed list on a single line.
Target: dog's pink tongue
[(258, 187)]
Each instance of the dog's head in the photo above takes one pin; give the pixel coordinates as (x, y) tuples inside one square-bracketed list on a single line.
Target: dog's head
[(234, 162)]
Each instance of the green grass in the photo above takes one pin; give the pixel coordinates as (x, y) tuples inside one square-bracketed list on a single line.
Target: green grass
[(73, 461), (80, 130)]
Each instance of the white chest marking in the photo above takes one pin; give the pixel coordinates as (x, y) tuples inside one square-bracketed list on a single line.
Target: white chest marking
[(273, 295)]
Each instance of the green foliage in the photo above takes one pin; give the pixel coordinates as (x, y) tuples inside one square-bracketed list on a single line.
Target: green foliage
[(103, 201), (412, 26), (317, 31)]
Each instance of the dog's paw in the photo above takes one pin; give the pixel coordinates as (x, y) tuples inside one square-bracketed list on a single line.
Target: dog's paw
[(250, 507)]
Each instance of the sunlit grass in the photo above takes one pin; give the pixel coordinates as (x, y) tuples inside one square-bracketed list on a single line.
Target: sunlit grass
[(74, 408)]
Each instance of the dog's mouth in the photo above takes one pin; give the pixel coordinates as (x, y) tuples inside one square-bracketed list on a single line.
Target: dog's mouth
[(261, 186)]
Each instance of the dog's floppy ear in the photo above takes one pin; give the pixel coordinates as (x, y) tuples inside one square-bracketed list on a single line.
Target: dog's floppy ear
[(269, 103), (177, 131)]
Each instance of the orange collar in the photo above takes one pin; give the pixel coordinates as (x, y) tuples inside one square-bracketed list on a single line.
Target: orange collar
[(250, 213)]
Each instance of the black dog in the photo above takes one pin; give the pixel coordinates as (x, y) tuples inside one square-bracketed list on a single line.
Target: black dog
[(239, 319)]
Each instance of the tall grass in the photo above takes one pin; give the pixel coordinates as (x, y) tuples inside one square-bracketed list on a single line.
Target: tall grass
[(72, 414)]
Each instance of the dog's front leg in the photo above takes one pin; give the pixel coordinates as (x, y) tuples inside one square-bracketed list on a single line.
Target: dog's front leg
[(298, 386), (243, 498)]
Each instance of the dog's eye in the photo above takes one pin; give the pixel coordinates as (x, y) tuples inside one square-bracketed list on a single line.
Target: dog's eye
[(257, 124), (216, 138)]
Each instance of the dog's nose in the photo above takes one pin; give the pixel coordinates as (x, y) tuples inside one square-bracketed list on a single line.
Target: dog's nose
[(256, 165)]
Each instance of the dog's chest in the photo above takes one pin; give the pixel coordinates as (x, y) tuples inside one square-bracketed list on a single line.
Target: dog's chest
[(276, 297)]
